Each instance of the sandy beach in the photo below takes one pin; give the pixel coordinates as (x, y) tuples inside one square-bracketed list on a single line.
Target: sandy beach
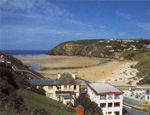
[(114, 72), (61, 61)]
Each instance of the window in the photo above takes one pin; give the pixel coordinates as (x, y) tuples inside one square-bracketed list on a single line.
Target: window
[(117, 96), (75, 87), (65, 86), (50, 87), (102, 96), (109, 104), (103, 105), (59, 87), (109, 112), (116, 112), (50, 95), (117, 104), (110, 96), (70, 86)]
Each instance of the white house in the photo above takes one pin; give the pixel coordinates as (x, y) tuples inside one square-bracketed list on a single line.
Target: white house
[(108, 46), (108, 97)]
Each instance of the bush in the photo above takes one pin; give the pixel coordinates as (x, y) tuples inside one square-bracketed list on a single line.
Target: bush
[(39, 90), (146, 80), (91, 108), (40, 112)]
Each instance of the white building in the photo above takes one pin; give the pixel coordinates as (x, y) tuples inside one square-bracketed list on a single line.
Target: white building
[(109, 98), (108, 46)]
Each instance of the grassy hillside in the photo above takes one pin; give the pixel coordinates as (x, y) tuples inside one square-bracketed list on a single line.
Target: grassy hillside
[(39, 102), (17, 63), (143, 65)]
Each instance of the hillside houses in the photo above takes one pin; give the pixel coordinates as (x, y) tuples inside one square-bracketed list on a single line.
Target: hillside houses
[(109, 46), (65, 88), (146, 45)]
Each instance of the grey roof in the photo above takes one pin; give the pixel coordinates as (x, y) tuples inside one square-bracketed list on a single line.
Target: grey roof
[(67, 97), (43, 82), (66, 79), (103, 87)]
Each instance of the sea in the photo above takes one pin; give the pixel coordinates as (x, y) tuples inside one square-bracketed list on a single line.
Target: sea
[(25, 52)]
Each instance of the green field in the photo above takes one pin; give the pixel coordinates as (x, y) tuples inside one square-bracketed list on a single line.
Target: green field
[(37, 102)]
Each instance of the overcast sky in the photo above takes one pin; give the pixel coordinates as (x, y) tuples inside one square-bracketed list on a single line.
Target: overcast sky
[(43, 24)]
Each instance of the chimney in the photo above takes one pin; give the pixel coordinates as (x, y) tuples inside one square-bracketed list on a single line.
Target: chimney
[(59, 75), (80, 110)]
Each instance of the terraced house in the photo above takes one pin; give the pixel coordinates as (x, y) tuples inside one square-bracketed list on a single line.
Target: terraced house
[(109, 98), (65, 88)]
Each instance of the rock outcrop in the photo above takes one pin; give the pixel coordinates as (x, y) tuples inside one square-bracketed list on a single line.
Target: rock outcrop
[(90, 49)]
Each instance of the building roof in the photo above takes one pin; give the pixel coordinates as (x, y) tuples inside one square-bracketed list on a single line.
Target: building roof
[(66, 79), (43, 82), (103, 88)]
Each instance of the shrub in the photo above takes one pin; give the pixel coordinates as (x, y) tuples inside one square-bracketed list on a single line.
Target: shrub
[(91, 108)]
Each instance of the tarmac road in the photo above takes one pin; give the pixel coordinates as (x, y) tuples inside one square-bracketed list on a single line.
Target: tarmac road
[(132, 111)]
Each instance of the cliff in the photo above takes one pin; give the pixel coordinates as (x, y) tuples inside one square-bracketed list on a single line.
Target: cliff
[(99, 47), (92, 49)]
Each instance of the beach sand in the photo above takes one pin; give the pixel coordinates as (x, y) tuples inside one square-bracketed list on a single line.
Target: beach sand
[(114, 72), (61, 61)]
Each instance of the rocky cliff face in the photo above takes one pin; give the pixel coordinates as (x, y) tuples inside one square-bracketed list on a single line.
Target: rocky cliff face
[(91, 49), (99, 48)]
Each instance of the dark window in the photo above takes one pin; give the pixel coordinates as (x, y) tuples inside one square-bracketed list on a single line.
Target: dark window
[(59, 87), (103, 105), (117, 104), (109, 112), (117, 113), (109, 104), (74, 86)]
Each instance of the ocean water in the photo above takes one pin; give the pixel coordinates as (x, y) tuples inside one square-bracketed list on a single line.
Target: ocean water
[(25, 52)]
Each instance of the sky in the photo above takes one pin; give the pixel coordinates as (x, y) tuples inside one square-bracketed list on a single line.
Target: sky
[(43, 24)]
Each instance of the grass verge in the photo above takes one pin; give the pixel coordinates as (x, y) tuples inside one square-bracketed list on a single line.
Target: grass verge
[(36, 102)]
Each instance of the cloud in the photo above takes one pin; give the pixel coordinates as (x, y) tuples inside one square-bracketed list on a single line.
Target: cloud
[(124, 15), (38, 7), (145, 26)]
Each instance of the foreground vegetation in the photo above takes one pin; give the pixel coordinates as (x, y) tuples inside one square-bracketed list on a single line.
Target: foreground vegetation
[(15, 97), (90, 108), (41, 103)]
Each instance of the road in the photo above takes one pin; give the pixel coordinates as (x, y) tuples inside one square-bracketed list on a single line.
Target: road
[(132, 111)]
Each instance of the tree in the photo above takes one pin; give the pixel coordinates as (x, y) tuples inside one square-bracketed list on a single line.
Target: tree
[(91, 108)]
